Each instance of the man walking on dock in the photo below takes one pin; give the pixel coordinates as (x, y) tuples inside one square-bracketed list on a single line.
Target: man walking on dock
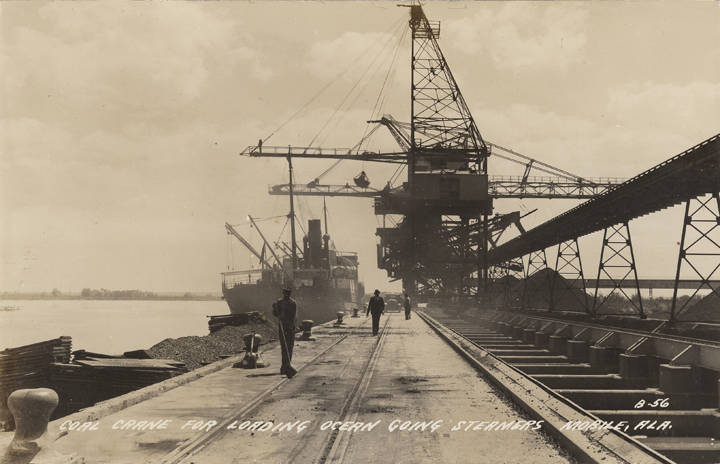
[(285, 310), (406, 305), (376, 306)]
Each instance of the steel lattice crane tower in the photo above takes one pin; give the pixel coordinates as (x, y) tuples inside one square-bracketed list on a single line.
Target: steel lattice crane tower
[(441, 245), (447, 163)]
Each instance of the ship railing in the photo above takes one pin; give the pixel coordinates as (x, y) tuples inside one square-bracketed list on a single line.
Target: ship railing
[(243, 272), (346, 253), (249, 276)]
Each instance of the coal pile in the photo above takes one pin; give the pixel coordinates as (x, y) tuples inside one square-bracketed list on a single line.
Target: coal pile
[(197, 351), (704, 310), (565, 296), (506, 292)]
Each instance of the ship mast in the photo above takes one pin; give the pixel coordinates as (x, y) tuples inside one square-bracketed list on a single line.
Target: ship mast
[(326, 237), (325, 217), (292, 216)]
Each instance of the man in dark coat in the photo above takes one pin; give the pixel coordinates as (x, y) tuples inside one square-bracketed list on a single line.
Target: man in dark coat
[(376, 306), (407, 306), (285, 310)]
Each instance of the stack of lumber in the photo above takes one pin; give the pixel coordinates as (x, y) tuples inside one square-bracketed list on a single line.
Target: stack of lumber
[(29, 366), (90, 380)]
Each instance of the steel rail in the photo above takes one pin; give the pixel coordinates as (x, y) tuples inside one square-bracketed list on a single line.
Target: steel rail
[(333, 448), (673, 348), (598, 446), (200, 441), (336, 447), (614, 328)]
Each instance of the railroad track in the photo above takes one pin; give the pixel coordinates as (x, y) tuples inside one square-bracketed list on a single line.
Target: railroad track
[(658, 390), (651, 327), (345, 398), (336, 443)]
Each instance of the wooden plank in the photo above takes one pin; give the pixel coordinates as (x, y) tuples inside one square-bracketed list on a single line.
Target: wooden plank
[(126, 363)]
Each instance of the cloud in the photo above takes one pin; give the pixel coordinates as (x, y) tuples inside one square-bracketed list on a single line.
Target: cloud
[(121, 122), (358, 50), (524, 37), (593, 148), (688, 108), (121, 60)]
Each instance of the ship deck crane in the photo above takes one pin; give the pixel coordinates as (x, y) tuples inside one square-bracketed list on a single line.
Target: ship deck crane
[(232, 231), (267, 244)]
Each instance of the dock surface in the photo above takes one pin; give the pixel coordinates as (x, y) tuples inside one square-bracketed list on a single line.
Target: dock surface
[(405, 395)]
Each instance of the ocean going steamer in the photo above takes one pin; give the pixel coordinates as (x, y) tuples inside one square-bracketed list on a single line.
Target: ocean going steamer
[(324, 281)]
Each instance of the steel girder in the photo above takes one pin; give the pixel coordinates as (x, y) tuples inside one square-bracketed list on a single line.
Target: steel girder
[(692, 173)]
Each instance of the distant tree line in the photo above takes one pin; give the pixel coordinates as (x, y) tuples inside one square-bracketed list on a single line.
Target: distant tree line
[(105, 294), (116, 294)]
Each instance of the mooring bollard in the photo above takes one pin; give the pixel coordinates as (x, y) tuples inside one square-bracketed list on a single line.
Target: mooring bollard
[(306, 326), (340, 315), (31, 408), (252, 359), (355, 312), (252, 342)]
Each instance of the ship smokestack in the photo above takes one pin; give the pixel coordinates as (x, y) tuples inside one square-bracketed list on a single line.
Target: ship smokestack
[(315, 242)]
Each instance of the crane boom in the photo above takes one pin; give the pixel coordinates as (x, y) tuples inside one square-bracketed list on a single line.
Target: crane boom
[(266, 242), (323, 153), (397, 130), (498, 187), (231, 230)]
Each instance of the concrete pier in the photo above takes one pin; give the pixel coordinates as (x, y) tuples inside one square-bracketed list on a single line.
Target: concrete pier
[(412, 394), (415, 381)]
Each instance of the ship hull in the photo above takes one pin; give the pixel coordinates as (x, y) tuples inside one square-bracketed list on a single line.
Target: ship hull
[(318, 304)]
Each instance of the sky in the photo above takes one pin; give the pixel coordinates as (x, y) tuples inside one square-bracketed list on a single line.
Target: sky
[(122, 122)]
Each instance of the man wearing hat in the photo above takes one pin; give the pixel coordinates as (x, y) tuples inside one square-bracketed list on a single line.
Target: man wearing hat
[(376, 306), (285, 310)]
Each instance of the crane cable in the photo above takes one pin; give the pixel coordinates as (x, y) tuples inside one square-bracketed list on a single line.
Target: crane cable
[(229, 253), (352, 89), (355, 148), (387, 75), (358, 145), (381, 100), (287, 220), (382, 51), (321, 91), (397, 173)]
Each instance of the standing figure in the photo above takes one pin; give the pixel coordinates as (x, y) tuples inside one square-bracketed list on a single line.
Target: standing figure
[(376, 306), (285, 309), (406, 305)]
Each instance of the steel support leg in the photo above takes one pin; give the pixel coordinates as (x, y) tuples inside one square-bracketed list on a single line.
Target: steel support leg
[(537, 261), (569, 275), (497, 277), (515, 270), (699, 257), (617, 263)]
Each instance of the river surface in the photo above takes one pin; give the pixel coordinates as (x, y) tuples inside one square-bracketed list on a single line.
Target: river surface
[(105, 326)]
